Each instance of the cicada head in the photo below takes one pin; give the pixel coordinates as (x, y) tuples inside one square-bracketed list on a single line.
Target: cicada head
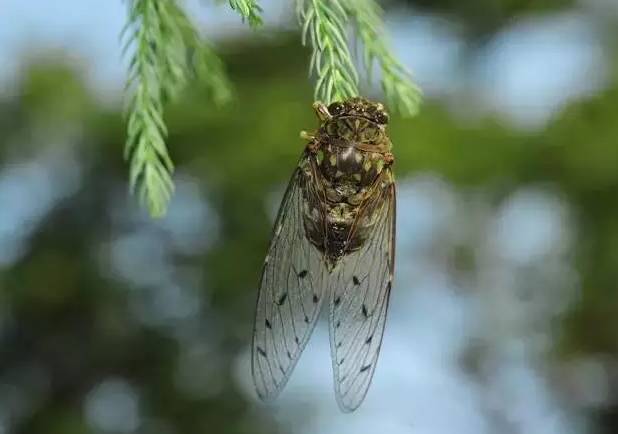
[(361, 108), (355, 120)]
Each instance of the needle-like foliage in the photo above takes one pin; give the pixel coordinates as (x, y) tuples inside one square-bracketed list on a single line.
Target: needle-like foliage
[(324, 26), (249, 10), (400, 91), (167, 52)]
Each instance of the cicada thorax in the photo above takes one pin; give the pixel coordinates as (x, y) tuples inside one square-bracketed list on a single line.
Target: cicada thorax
[(351, 154)]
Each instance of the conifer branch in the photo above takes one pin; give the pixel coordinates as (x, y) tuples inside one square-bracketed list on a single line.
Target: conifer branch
[(167, 52), (396, 81), (324, 26), (166, 48), (249, 10)]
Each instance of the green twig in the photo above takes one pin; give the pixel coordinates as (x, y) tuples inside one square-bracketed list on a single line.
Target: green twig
[(249, 10), (400, 91), (323, 25), (166, 48), (167, 52)]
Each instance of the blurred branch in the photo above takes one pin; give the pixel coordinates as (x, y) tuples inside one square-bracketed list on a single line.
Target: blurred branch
[(166, 48), (249, 10), (400, 91)]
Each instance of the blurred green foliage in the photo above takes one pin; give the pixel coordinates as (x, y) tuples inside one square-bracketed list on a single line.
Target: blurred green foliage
[(73, 321)]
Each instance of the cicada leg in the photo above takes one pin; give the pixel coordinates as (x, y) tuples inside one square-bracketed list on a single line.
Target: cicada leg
[(321, 110), (313, 144)]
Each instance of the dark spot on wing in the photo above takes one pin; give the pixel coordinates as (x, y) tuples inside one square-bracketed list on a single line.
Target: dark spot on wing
[(355, 280), (306, 319), (364, 368), (282, 299), (281, 369), (339, 344), (268, 324), (289, 356), (337, 301), (338, 324), (261, 351), (315, 298), (341, 361), (296, 340), (302, 274), (365, 313), (369, 339)]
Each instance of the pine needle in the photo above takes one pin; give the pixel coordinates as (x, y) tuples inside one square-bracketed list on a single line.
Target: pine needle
[(249, 10), (323, 26), (400, 91), (166, 49), (167, 52)]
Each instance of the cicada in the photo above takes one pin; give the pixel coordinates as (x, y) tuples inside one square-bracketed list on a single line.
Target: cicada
[(333, 243)]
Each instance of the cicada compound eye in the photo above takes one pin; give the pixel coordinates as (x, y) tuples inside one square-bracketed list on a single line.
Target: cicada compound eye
[(382, 117), (335, 108)]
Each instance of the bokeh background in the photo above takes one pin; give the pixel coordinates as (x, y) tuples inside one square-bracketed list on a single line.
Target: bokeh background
[(504, 313)]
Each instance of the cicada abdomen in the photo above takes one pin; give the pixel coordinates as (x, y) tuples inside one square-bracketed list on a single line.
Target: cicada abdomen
[(333, 239)]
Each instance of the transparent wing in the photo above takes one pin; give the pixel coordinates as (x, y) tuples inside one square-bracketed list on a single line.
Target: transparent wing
[(360, 288), (291, 288)]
